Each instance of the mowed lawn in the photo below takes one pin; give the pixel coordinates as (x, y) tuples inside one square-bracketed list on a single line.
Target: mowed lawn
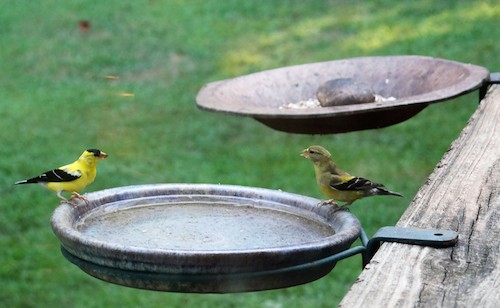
[(127, 85)]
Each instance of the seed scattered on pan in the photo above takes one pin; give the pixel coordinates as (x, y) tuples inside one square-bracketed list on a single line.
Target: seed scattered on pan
[(305, 104), (380, 98)]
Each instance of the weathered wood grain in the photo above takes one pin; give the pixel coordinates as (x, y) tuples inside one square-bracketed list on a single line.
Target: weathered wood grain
[(462, 194)]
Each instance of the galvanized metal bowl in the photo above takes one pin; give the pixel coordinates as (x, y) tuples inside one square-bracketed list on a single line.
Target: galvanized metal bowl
[(414, 82), (202, 238)]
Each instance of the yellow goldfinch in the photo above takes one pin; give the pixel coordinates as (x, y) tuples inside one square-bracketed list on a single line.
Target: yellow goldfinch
[(338, 184), (71, 178)]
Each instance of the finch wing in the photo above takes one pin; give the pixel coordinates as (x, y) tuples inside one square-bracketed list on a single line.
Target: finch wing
[(56, 175), (356, 183)]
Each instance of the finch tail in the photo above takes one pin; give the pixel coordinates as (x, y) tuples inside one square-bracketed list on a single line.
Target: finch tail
[(385, 192), (30, 181)]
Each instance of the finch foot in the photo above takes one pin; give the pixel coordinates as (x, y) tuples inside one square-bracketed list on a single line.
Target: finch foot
[(329, 202), (336, 209), (334, 206), (76, 195), (343, 207), (69, 201)]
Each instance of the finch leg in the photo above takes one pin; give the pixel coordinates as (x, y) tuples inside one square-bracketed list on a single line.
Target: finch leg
[(345, 205), (63, 199), (59, 194)]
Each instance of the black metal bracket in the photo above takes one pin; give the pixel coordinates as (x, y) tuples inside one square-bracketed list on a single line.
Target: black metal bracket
[(494, 79), (414, 236)]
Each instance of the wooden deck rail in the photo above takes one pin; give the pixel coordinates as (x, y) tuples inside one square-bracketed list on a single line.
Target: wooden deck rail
[(462, 194)]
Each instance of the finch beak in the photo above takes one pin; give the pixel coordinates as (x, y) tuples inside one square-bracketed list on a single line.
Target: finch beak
[(103, 155), (304, 154)]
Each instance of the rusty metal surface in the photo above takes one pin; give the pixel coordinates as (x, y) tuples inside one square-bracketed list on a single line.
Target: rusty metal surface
[(202, 237), (414, 82)]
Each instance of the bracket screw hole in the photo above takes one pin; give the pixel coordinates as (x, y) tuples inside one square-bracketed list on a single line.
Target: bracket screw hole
[(438, 234)]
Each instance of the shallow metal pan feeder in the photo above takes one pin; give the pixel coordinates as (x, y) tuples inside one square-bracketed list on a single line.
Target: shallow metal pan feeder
[(404, 84), (204, 238)]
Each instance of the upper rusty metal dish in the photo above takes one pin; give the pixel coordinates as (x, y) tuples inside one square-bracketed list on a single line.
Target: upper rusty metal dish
[(414, 82), (202, 238)]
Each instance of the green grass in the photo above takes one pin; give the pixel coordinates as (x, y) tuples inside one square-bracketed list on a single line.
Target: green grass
[(55, 102)]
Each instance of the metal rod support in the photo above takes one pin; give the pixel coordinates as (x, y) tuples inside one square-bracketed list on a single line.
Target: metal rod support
[(414, 236), (494, 79)]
